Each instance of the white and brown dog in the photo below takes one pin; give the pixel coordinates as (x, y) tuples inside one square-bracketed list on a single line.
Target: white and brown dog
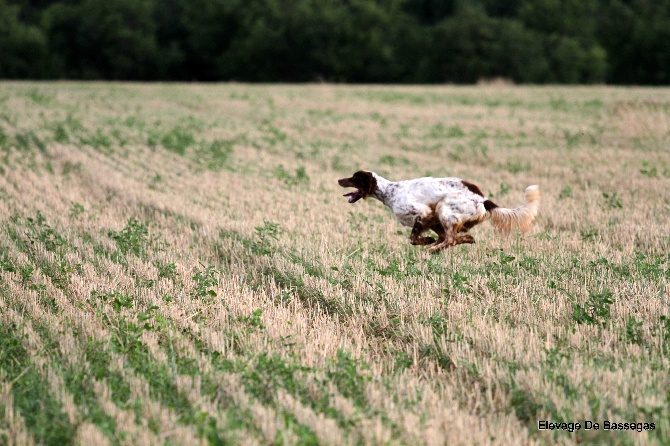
[(448, 206)]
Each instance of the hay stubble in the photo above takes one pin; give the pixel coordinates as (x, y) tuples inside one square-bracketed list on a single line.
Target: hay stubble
[(178, 265)]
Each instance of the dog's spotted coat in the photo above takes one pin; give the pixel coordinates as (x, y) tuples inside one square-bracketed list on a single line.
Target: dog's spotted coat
[(448, 206)]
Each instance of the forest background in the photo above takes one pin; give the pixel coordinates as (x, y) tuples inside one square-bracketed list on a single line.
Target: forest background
[(357, 41)]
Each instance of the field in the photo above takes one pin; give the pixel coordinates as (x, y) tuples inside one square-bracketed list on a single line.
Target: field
[(178, 266)]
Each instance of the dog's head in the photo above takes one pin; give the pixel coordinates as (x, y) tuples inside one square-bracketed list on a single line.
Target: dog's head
[(365, 183)]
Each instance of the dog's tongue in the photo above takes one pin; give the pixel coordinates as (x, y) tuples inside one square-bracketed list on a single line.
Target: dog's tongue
[(353, 196)]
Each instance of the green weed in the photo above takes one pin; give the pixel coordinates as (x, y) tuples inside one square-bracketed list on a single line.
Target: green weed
[(132, 239), (177, 140), (300, 176), (40, 408), (633, 331), (566, 192), (344, 372), (216, 154), (264, 236), (76, 210), (516, 166), (439, 131), (39, 231), (394, 161), (612, 201), (595, 311), (98, 140), (205, 280), (253, 322)]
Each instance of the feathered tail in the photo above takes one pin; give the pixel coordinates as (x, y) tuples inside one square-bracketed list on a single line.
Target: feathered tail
[(520, 218)]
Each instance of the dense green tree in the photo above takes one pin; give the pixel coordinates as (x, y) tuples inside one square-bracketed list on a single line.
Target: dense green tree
[(112, 39), (23, 48), (306, 40), (471, 45), (538, 41)]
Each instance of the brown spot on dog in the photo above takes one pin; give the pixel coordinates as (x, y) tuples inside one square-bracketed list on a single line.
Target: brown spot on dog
[(488, 205), (472, 188), (469, 225)]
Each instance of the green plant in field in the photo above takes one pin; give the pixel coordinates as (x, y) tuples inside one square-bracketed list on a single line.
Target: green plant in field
[(300, 176), (566, 192), (263, 236), (589, 233), (649, 169), (357, 220), (76, 210), (6, 264), (652, 266), (122, 301), (459, 281), (344, 373), (3, 138), (285, 296), (59, 271), (402, 360), (178, 139), (267, 373), (612, 201), (504, 189), (60, 134), (596, 309), (504, 264), (272, 134), (515, 165), (69, 167), (24, 141), (663, 329), (26, 273), (439, 130), (167, 271), (205, 280), (155, 181), (216, 154), (633, 331), (439, 326), (98, 141), (39, 231), (572, 139), (40, 408), (393, 160), (253, 322), (131, 239), (39, 97)]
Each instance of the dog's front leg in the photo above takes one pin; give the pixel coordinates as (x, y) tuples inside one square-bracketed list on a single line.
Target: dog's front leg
[(415, 238)]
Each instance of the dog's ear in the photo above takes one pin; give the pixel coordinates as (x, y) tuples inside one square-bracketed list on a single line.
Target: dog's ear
[(366, 182)]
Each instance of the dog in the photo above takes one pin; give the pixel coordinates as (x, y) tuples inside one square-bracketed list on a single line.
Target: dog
[(448, 206)]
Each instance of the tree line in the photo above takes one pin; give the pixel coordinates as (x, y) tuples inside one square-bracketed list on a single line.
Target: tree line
[(399, 41)]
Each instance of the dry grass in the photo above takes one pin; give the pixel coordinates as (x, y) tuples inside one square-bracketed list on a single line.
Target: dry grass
[(178, 266)]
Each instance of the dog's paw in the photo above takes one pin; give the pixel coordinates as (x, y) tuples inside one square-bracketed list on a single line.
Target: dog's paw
[(436, 248), (466, 239), (422, 241)]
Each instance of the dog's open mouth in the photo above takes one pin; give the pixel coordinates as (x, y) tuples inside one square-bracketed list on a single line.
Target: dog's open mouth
[(354, 196)]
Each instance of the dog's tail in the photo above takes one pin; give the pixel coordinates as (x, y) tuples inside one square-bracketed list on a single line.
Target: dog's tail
[(520, 218)]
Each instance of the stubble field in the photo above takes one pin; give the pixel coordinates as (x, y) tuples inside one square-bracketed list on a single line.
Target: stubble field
[(178, 266)]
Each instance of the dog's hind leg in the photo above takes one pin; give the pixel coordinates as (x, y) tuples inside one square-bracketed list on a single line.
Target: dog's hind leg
[(415, 237), (467, 238), (447, 238), (441, 233)]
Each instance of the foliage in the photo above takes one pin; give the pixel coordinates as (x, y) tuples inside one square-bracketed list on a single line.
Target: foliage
[(355, 41)]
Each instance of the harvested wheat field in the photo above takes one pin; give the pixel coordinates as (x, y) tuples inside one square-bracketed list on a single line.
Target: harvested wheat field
[(178, 266)]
